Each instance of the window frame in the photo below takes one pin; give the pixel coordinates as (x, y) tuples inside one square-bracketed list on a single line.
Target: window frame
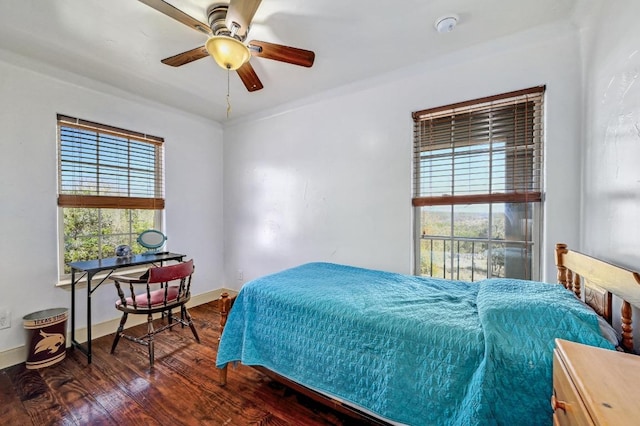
[(151, 199), (529, 191)]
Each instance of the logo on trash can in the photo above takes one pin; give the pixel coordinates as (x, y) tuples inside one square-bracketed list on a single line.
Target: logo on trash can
[(50, 341)]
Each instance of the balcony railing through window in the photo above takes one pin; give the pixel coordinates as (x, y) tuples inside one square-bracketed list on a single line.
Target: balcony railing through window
[(473, 259)]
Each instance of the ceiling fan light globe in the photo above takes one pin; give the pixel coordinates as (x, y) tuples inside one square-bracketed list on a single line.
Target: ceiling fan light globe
[(228, 52)]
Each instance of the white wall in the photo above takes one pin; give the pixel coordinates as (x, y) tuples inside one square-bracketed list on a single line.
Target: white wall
[(611, 206), (330, 180), (612, 146), (30, 96)]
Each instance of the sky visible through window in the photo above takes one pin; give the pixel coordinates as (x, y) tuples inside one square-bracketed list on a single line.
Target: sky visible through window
[(469, 174)]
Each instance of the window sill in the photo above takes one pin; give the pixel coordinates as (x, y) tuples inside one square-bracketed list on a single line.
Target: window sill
[(65, 282)]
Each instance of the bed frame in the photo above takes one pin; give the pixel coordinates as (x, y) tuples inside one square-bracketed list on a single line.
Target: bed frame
[(592, 280)]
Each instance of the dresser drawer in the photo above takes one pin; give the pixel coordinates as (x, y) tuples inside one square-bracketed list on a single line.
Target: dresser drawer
[(568, 407)]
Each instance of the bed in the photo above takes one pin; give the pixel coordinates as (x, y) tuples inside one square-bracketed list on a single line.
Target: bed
[(402, 349)]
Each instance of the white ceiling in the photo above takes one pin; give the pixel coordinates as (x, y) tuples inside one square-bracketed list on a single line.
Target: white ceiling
[(121, 43)]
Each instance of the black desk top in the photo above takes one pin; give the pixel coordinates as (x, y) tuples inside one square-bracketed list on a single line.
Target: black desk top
[(123, 262)]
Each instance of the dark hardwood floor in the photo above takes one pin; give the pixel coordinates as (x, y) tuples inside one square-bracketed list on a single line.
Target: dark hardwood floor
[(182, 389)]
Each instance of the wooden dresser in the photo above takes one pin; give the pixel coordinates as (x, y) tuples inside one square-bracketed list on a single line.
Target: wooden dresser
[(593, 386)]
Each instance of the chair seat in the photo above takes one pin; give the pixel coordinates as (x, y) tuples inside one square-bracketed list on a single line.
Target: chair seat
[(157, 299)]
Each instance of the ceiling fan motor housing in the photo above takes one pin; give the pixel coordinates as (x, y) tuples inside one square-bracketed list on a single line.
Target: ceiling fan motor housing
[(217, 15)]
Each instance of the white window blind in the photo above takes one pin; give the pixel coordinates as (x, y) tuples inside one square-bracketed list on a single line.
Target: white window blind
[(106, 167)]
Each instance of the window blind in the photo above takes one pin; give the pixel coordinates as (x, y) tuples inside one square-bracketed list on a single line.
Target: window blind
[(101, 166), (486, 150)]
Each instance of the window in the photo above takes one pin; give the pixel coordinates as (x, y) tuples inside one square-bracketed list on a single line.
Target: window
[(477, 189), (110, 188)]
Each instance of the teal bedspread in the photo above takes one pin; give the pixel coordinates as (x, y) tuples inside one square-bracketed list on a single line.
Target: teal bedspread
[(414, 350)]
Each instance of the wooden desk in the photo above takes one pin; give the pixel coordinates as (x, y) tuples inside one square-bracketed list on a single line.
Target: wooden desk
[(90, 268), (593, 386)]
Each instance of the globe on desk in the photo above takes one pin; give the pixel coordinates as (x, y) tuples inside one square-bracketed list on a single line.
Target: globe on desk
[(123, 250)]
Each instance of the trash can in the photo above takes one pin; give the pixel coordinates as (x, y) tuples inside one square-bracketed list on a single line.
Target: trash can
[(47, 331)]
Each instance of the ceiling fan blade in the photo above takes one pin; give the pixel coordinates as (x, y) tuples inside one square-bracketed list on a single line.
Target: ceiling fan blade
[(278, 52), (175, 13), (186, 57), (249, 77), (241, 12)]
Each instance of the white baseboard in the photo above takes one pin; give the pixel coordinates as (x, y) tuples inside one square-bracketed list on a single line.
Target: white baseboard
[(18, 355)]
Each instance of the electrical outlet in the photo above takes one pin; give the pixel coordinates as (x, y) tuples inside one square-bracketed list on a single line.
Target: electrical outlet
[(5, 318), (240, 275)]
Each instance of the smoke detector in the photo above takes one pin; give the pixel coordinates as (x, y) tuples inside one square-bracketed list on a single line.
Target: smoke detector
[(446, 24)]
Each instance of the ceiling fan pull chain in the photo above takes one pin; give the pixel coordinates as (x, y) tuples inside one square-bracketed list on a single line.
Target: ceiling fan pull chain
[(228, 103)]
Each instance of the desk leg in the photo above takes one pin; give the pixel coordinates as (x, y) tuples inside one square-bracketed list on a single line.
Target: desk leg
[(74, 343), (73, 308), (89, 291)]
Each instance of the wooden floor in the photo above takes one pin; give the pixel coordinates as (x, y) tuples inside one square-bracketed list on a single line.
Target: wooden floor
[(182, 389)]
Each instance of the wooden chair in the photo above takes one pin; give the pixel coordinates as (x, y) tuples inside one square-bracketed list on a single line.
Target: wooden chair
[(160, 289)]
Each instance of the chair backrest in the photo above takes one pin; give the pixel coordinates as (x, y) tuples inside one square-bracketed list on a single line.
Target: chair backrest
[(163, 274), (177, 290)]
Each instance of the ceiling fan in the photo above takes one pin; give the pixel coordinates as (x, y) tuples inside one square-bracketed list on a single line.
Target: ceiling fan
[(228, 27)]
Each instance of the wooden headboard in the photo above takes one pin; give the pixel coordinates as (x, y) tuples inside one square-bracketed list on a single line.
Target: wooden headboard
[(597, 281)]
